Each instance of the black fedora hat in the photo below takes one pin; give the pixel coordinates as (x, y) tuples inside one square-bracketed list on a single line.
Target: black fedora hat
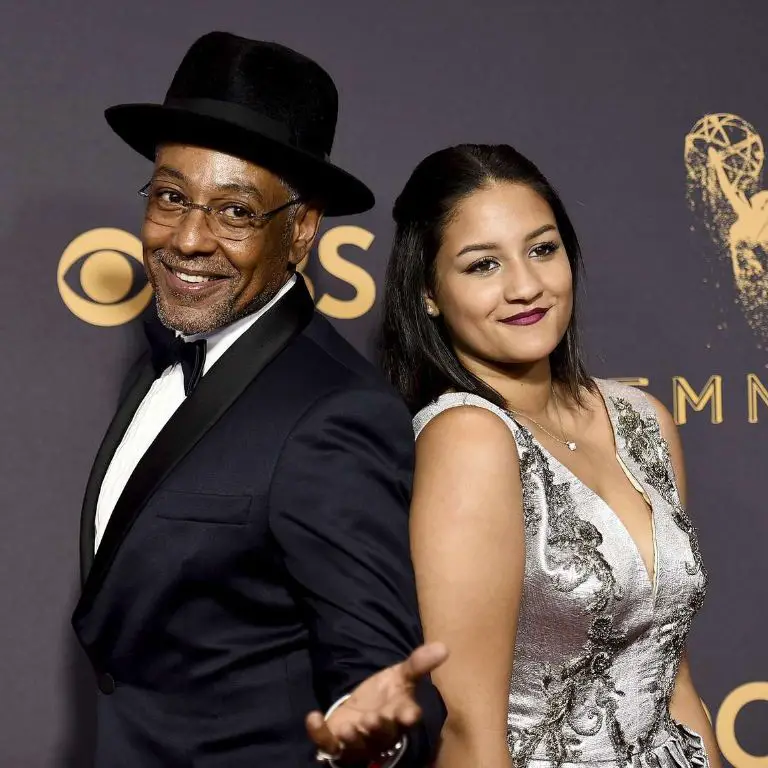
[(257, 100)]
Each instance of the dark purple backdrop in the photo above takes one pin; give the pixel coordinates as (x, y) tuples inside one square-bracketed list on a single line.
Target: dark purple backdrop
[(600, 94)]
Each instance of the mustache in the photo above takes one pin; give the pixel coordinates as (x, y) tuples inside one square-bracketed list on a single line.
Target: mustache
[(174, 260)]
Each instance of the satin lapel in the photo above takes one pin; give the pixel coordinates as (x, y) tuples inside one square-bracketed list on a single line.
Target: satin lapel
[(120, 423), (217, 391)]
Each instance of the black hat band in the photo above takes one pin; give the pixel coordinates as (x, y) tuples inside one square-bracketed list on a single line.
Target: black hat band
[(244, 117)]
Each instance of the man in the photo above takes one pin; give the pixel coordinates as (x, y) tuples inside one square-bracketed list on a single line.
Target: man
[(245, 532)]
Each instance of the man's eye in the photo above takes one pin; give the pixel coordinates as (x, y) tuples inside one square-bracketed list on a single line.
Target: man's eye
[(236, 212), (169, 196)]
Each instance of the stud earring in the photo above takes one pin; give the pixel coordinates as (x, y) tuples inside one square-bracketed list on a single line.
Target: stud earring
[(431, 309)]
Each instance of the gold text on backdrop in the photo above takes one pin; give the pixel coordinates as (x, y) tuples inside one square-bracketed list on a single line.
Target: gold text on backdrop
[(684, 395), (106, 275)]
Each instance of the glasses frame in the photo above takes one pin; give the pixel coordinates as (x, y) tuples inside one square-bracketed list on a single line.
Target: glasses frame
[(260, 217)]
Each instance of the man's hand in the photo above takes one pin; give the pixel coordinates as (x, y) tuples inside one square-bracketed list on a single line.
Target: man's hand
[(380, 709)]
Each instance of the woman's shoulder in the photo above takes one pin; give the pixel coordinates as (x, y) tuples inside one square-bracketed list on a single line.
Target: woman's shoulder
[(459, 410), (462, 435)]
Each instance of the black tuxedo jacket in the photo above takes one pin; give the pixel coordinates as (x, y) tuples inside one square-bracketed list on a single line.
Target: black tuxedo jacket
[(257, 563)]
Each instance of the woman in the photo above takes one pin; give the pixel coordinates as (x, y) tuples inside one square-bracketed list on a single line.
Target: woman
[(552, 552)]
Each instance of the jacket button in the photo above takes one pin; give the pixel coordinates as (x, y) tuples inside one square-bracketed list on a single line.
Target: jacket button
[(106, 683)]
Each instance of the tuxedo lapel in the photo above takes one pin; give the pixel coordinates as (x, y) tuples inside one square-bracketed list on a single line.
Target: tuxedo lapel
[(217, 391), (135, 393)]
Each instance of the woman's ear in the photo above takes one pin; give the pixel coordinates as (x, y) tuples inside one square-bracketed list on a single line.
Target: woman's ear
[(431, 307)]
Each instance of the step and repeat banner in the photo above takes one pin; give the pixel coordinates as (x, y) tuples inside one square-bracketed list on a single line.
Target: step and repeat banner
[(648, 117)]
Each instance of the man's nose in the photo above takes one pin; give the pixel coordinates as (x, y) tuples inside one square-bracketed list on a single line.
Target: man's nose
[(192, 235)]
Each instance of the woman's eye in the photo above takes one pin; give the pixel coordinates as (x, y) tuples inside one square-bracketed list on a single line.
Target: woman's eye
[(544, 249), (483, 266)]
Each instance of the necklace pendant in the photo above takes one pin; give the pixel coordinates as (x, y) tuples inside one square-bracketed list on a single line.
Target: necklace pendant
[(571, 445)]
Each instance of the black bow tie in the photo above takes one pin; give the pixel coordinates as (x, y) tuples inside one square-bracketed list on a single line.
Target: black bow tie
[(169, 349)]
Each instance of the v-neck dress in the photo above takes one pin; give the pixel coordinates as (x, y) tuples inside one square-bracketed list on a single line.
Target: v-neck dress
[(598, 640)]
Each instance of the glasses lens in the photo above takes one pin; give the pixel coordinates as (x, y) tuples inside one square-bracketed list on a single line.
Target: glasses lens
[(226, 232), (233, 222), (164, 206), (167, 207)]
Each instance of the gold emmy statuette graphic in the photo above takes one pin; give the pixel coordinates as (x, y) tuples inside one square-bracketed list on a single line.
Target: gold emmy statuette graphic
[(106, 277), (724, 158)]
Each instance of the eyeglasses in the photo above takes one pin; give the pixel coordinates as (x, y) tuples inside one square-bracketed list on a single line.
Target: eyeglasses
[(228, 220)]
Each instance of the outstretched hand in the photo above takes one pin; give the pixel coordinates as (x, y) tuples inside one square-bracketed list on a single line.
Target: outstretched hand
[(373, 719)]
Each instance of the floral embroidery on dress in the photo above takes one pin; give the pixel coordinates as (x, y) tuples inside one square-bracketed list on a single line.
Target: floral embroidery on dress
[(572, 543), (581, 696), (672, 647), (595, 668), (649, 450)]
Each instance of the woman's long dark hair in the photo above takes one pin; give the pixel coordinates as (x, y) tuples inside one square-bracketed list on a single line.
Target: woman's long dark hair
[(416, 352)]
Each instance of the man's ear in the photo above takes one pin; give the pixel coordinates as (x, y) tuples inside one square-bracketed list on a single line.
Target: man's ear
[(306, 225)]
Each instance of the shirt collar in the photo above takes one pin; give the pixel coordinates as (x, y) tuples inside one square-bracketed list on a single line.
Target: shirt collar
[(220, 340)]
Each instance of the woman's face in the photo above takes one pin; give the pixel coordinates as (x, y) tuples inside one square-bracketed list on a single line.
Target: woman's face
[(504, 286)]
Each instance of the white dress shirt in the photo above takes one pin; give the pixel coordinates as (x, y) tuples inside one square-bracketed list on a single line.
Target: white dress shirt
[(165, 395)]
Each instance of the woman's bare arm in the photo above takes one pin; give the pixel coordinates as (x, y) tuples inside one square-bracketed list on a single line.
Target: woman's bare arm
[(469, 552)]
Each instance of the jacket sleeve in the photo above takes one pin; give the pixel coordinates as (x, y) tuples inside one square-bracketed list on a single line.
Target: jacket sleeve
[(339, 506)]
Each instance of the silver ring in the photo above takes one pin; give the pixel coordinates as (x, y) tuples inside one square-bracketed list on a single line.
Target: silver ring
[(324, 757)]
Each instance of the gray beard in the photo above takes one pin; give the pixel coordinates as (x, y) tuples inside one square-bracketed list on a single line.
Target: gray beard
[(220, 316)]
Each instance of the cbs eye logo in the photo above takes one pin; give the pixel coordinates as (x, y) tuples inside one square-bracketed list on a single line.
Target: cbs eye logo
[(111, 288)]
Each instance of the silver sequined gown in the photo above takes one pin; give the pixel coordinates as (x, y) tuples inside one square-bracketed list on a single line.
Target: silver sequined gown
[(598, 645)]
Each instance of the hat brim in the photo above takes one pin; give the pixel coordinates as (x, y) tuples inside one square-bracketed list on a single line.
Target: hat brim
[(145, 126)]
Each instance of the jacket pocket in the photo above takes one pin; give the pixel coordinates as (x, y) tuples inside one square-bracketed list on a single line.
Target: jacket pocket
[(202, 507)]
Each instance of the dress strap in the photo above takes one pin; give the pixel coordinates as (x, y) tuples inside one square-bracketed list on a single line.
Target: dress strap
[(639, 441), (457, 400), (616, 390)]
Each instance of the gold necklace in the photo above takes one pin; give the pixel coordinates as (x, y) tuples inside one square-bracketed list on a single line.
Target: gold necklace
[(570, 444)]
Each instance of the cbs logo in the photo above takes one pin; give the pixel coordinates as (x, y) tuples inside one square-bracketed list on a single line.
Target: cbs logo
[(110, 271), (332, 262), (111, 268), (725, 724)]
